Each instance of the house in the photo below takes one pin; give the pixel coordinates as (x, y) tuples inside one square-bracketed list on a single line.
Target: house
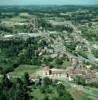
[(46, 70), (96, 75), (53, 72), (57, 72), (85, 73)]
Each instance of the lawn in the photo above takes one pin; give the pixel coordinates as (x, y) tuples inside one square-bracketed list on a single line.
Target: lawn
[(19, 71)]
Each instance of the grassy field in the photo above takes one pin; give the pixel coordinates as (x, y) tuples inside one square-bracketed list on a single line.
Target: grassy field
[(20, 18), (78, 95), (19, 71), (40, 95), (14, 20)]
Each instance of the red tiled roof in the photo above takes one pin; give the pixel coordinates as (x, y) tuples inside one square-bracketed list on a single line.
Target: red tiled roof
[(56, 72), (86, 73), (97, 79)]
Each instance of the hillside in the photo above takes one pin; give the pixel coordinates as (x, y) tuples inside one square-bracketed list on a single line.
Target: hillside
[(43, 37)]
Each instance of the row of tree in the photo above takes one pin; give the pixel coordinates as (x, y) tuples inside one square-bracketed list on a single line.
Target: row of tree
[(16, 89)]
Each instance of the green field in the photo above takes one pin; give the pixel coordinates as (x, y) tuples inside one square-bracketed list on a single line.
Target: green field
[(19, 72), (38, 93)]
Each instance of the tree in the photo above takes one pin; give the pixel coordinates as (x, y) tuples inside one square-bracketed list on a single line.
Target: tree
[(80, 80), (22, 92), (62, 93), (60, 89), (47, 81), (46, 97), (27, 79), (6, 83)]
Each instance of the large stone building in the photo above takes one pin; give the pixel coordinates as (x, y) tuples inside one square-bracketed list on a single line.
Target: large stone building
[(53, 72)]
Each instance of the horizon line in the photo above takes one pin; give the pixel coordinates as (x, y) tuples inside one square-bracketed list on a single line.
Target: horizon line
[(49, 5)]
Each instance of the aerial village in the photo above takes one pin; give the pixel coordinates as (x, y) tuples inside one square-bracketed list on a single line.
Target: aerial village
[(50, 52), (69, 74)]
